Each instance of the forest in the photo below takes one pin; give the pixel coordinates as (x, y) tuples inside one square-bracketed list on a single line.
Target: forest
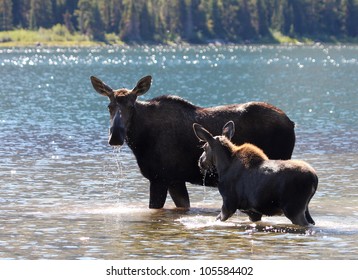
[(193, 21)]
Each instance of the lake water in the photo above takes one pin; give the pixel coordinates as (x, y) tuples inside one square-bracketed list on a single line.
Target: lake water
[(66, 194)]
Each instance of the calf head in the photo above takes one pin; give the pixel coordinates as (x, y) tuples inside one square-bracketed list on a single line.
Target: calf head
[(121, 106), (214, 147)]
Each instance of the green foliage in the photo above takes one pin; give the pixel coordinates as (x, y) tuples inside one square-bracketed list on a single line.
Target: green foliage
[(194, 21), (57, 35)]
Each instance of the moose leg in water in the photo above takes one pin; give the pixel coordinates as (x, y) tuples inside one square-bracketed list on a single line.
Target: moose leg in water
[(157, 194), (179, 194), (177, 191)]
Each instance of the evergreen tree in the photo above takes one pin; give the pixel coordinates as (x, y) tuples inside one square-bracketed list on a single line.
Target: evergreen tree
[(6, 15), (186, 19), (189, 20), (262, 18), (352, 18), (89, 19), (216, 12), (147, 30), (129, 30), (246, 30), (40, 14)]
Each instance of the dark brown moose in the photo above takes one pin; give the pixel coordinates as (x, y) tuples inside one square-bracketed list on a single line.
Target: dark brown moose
[(252, 183), (159, 132)]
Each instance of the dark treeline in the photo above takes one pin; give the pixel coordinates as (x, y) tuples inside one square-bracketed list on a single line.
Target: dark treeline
[(194, 21)]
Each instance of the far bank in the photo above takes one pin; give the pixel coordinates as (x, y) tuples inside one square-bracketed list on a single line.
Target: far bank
[(59, 36)]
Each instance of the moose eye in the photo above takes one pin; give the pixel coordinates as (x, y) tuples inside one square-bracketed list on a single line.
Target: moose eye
[(110, 107)]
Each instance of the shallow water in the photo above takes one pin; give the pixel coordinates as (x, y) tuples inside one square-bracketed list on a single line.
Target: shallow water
[(65, 194)]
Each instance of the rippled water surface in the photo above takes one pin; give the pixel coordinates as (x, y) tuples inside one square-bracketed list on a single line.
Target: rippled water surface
[(65, 194)]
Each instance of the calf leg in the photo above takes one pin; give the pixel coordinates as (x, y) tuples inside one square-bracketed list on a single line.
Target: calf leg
[(307, 213), (225, 213), (299, 219), (179, 194), (157, 194), (297, 216), (297, 209), (309, 218)]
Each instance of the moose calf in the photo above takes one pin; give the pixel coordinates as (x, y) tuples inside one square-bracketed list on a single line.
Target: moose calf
[(252, 183)]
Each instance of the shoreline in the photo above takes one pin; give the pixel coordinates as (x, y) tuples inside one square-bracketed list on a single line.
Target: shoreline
[(62, 38), (89, 44)]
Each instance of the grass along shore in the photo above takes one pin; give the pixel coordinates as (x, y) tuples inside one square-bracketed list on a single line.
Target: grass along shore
[(59, 36)]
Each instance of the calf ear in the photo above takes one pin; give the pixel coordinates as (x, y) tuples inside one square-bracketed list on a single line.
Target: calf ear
[(101, 87), (202, 133), (229, 129), (143, 85)]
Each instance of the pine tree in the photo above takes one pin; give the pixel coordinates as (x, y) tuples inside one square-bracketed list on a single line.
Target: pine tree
[(146, 27), (129, 31), (40, 14), (89, 19), (6, 15), (217, 29), (352, 18), (188, 20), (263, 29)]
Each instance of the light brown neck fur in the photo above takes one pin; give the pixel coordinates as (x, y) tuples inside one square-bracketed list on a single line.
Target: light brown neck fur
[(249, 154)]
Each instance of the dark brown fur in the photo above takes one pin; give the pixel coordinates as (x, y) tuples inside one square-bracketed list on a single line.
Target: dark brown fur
[(159, 132), (254, 184)]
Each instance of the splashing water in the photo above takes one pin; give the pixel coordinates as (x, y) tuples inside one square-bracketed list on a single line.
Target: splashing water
[(117, 154), (204, 177)]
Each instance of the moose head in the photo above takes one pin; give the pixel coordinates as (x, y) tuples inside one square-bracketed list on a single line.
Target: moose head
[(213, 144), (121, 106)]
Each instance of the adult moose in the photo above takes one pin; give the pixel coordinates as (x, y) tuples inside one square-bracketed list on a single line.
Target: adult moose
[(159, 132)]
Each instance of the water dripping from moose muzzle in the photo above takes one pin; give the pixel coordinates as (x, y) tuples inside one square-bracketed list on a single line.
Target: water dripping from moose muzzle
[(116, 131), (210, 177), (117, 156)]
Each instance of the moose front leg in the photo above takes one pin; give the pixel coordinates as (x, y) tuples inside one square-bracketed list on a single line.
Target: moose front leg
[(157, 194), (229, 204), (225, 213), (179, 194), (228, 208)]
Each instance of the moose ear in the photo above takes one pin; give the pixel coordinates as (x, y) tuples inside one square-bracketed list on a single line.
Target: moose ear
[(202, 133), (101, 87), (143, 85), (229, 129)]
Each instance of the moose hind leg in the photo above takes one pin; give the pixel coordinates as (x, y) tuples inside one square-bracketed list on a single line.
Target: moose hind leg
[(297, 218), (307, 213), (179, 194), (157, 194), (309, 218)]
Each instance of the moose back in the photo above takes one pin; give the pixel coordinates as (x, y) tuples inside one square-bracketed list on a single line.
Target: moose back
[(159, 132)]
